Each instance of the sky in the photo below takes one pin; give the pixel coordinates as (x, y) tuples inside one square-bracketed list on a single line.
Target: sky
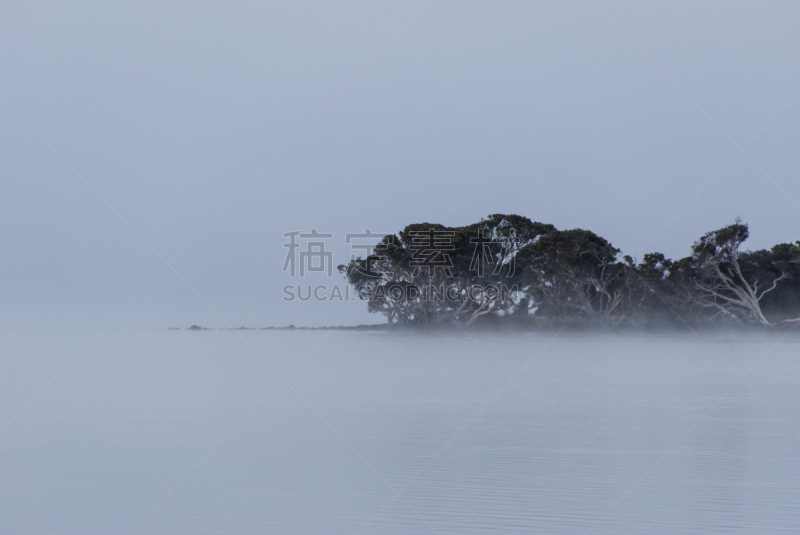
[(153, 154)]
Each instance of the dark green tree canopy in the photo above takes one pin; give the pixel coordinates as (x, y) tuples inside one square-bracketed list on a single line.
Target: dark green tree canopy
[(508, 266)]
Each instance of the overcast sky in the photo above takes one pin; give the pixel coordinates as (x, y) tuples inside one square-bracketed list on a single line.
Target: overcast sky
[(140, 135)]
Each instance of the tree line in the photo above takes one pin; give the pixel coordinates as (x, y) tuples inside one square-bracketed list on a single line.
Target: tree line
[(507, 268)]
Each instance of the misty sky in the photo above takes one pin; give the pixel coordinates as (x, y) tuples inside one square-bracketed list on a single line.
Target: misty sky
[(253, 119)]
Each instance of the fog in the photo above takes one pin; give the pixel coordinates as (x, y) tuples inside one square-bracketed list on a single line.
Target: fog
[(398, 433), (155, 157), (202, 149)]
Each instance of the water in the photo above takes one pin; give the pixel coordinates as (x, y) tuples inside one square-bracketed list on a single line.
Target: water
[(192, 432)]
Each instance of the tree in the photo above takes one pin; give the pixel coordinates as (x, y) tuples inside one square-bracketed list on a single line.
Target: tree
[(782, 259), (649, 295), (574, 272), (508, 265), (731, 283), (430, 273)]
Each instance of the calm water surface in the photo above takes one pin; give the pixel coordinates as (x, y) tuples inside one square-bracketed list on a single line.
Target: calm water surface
[(336, 432)]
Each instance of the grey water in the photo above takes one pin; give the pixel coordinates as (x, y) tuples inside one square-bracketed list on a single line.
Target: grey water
[(354, 432)]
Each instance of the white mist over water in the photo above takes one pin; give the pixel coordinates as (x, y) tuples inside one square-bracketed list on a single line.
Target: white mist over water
[(402, 433)]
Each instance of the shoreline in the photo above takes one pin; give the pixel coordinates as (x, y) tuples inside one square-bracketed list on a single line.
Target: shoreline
[(539, 327)]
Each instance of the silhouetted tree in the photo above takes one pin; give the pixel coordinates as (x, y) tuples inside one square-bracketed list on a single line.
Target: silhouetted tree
[(731, 283), (432, 274), (574, 272)]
